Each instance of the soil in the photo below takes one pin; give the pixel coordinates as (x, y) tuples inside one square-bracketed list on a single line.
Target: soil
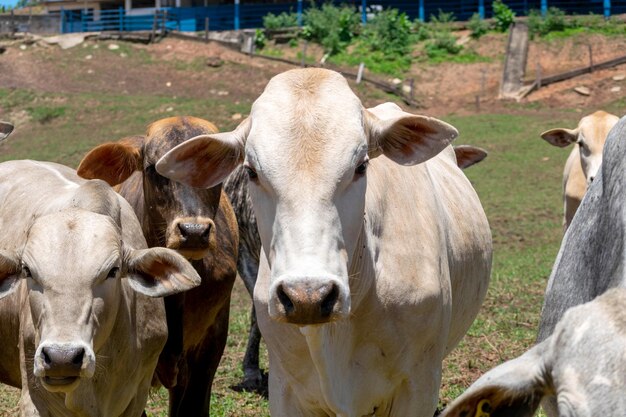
[(179, 68)]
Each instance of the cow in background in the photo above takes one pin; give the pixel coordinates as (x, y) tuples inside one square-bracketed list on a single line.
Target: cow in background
[(5, 130), (582, 364), (371, 272), (80, 331), (591, 258), (585, 159), (200, 224)]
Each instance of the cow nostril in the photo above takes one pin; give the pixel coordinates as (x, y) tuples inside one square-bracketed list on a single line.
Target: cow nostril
[(78, 356), (591, 179), (46, 357), (182, 228), (206, 232), (284, 300), (328, 303)]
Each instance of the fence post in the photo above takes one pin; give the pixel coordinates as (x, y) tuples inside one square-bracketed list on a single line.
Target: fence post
[(62, 20), (300, 13), (364, 11), (236, 14), (121, 22), (544, 7), (607, 9), (422, 15), (481, 8)]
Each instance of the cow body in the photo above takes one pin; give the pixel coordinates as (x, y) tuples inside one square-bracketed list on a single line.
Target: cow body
[(80, 334), (584, 161), (582, 363), (201, 225), (370, 272)]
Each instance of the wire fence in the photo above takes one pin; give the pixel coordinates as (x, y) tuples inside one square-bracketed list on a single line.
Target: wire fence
[(244, 15)]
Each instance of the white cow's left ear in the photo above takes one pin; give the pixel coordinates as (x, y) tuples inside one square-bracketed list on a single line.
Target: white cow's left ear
[(405, 138), (10, 271), (514, 388), (158, 272)]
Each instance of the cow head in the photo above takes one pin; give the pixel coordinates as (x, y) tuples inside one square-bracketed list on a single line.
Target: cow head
[(177, 216), (590, 136), (73, 263), (5, 130), (306, 147)]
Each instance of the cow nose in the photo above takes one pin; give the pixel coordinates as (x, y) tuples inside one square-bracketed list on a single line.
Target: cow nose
[(63, 361), (308, 302), (195, 235)]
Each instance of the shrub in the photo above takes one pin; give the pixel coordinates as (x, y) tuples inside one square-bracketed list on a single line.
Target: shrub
[(442, 43), (420, 30), (389, 31), (442, 21), (477, 26), (503, 15), (331, 26), (259, 39), (283, 20)]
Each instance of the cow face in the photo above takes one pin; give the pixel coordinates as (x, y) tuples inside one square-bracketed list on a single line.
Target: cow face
[(73, 262), (306, 146), (590, 136), (177, 216)]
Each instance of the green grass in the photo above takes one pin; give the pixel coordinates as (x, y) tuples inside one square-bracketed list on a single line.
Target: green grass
[(519, 185)]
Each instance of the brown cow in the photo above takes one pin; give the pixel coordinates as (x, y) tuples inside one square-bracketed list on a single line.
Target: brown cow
[(200, 224)]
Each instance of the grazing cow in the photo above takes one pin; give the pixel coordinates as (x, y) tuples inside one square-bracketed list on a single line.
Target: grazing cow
[(371, 272), (200, 224), (582, 363), (591, 257), (585, 159), (80, 332), (5, 130), (236, 187)]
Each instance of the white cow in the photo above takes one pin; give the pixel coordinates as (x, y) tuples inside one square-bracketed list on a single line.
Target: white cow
[(584, 161), (583, 364), (371, 271), (79, 330)]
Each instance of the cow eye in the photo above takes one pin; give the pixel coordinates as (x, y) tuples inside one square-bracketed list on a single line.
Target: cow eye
[(251, 173), (113, 272), (26, 272), (360, 170)]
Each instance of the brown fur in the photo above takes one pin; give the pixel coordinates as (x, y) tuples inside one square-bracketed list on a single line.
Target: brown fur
[(197, 319)]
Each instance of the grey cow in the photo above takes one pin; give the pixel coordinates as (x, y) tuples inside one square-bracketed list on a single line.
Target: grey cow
[(236, 186), (583, 362)]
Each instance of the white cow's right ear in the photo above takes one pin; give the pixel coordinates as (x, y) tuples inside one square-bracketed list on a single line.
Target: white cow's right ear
[(560, 137), (10, 272), (5, 130), (514, 388), (159, 272), (206, 160), (403, 137)]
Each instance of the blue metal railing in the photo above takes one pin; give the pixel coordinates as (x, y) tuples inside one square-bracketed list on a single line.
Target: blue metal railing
[(242, 14)]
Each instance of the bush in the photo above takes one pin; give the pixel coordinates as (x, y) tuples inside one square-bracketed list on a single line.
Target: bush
[(503, 15), (331, 26), (389, 31), (477, 26), (259, 39), (442, 21), (553, 21), (442, 43), (283, 20), (420, 30)]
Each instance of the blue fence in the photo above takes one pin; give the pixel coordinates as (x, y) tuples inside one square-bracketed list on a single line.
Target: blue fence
[(241, 15)]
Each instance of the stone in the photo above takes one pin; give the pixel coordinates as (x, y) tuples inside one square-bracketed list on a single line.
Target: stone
[(214, 62), (114, 47), (89, 57), (236, 116), (583, 91), (619, 77), (616, 89)]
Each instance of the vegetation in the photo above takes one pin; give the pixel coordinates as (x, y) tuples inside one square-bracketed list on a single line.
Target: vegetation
[(555, 24), (477, 26), (502, 15), (283, 20), (331, 26)]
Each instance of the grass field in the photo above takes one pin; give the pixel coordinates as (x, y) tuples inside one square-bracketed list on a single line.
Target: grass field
[(519, 184)]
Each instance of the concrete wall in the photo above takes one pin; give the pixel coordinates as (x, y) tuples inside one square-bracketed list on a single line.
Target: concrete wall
[(45, 24)]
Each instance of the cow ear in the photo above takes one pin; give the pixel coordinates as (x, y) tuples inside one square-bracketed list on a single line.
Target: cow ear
[(5, 130), (113, 162), (159, 272), (467, 155), (206, 160), (560, 137), (10, 272), (405, 138), (514, 388)]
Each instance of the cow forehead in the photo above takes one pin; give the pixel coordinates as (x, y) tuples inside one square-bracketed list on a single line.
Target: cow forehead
[(596, 127), (165, 134), (73, 240), (306, 118)]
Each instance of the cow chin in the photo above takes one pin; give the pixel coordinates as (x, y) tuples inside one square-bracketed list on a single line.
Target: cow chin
[(192, 255), (60, 384)]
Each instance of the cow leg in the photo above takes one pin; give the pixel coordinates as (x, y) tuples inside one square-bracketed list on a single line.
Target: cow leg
[(192, 398), (167, 367)]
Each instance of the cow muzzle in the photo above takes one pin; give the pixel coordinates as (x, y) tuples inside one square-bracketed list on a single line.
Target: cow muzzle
[(306, 301), (61, 365), (193, 238)]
